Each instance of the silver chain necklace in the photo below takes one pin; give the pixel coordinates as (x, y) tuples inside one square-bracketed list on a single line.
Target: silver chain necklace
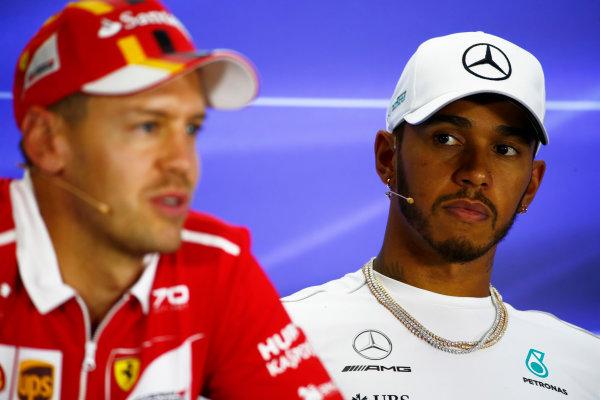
[(491, 337)]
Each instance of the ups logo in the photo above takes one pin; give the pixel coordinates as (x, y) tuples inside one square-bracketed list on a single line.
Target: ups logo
[(2, 379), (36, 380)]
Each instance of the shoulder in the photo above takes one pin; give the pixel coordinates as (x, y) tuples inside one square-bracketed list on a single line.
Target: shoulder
[(216, 251), (325, 310), (8, 270), (210, 247), (344, 286), (536, 322), (206, 231), (6, 219), (4, 189)]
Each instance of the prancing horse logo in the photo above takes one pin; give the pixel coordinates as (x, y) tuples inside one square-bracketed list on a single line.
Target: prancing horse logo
[(487, 61), (372, 344)]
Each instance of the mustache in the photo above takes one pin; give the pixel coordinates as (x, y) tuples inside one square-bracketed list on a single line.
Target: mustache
[(172, 180), (464, 194)]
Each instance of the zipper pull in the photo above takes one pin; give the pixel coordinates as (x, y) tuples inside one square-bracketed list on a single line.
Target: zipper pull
[(89, 362)]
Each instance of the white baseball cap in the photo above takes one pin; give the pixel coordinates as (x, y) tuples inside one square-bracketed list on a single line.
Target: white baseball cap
[(448, 68)]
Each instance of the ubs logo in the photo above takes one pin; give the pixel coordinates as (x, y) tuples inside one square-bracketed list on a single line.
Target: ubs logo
[(372, 344), (36, 380)]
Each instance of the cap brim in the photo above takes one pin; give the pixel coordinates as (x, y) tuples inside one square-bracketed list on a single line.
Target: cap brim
[(229, 80), (424, 112)]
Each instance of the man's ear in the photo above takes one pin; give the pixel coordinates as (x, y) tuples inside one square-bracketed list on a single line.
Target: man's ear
[(385, 156), (44, 139), (537, 173)]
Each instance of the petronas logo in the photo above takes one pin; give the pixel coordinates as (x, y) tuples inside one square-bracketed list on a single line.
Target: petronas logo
[(535, 363)]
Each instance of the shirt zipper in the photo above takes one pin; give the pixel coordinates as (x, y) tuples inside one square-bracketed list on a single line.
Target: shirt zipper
[(91, 342)]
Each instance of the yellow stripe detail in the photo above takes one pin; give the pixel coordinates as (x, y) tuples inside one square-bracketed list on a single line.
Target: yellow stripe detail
[(52, 18), (132, 50), (95, 7), (169, 66), (24, 61), (134, 54)]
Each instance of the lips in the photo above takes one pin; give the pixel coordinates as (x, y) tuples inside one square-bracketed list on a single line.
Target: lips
[(174, 203), (468, 211)]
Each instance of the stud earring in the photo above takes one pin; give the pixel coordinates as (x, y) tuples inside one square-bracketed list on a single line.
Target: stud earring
[(522, 209), (388, 192)]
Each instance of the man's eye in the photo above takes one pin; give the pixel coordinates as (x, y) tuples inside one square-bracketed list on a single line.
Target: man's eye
[(506, 150), (148, 127), (193, 129), (447, 139)]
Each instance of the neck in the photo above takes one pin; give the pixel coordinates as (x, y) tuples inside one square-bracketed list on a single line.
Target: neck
[(99, 271), (410, 259)]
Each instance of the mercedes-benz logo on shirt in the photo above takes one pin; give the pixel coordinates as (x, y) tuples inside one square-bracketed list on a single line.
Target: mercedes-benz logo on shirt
[(486, 61), (372, 344)]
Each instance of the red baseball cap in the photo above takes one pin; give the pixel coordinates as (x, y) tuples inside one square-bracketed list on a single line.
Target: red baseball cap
[(122, 47)]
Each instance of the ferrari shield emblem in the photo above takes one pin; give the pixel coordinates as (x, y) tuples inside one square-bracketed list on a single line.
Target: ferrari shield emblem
[(127, 371)]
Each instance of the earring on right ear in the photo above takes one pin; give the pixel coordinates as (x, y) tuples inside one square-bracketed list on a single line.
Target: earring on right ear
[(388, 192), (522, 209)]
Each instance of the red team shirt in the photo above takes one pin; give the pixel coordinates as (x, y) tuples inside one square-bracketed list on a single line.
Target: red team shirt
[(204, 320)]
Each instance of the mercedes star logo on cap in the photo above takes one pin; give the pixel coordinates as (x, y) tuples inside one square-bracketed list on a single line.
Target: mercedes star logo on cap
[(372, 344), (486, 61)]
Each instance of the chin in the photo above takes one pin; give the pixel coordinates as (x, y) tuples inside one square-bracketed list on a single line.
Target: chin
[(461, 250), (166, 240), (169, 245)]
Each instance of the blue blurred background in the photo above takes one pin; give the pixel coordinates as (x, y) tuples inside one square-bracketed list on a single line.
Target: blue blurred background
[(297, 166)]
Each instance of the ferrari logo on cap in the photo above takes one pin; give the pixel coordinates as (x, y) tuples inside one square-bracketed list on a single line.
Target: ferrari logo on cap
[(127, 371)]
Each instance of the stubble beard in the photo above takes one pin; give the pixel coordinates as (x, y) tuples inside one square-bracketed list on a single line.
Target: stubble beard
[(151, 233), (456, 249), (129, 230)]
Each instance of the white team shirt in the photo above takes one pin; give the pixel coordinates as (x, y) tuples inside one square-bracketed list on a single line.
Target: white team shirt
[(372, 356)]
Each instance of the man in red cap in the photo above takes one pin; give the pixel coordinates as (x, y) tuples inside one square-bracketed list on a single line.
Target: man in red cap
[(109, 286)]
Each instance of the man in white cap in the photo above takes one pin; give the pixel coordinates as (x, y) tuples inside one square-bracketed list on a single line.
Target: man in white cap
[(110, 287), (421, 320)]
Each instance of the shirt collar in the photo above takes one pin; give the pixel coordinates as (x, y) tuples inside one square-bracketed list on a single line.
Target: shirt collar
[(38, 265), (141, 289)]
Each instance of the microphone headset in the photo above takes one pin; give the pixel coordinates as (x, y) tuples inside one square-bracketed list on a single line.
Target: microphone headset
[(75, 191), (390, 192)]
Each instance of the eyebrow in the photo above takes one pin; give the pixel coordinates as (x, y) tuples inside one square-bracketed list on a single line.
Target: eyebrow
[(159, 113), (450, 119), (461, 122), (510, 131)]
